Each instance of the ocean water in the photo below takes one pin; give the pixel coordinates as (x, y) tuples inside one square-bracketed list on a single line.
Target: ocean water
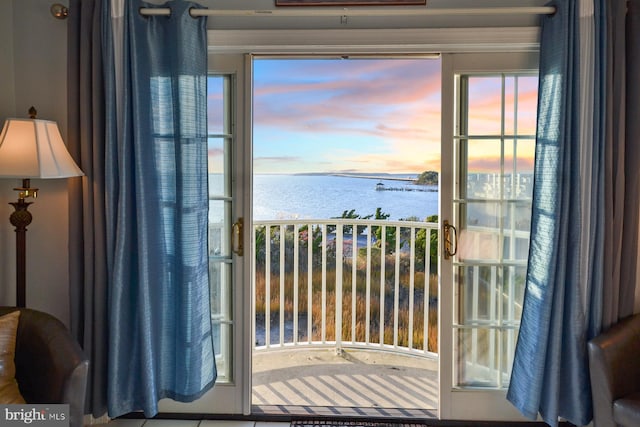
[(327, 196)]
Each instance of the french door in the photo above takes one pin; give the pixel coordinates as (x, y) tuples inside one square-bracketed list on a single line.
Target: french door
[(488, 123), (488, 140), (229, 157)]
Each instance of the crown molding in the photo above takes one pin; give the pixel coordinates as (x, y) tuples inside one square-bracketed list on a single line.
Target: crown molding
[(375, 41)]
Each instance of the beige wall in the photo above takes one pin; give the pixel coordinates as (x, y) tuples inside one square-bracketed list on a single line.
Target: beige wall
[(33, 71)]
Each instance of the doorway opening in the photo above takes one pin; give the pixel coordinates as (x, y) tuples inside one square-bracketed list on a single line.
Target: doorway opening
[(346, 162), (364, 269)]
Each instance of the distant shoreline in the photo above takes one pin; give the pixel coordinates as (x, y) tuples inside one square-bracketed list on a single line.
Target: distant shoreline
[(349, 174), (376, 177), (414, 178)]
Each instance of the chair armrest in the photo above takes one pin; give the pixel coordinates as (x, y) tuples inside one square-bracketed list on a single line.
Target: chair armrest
[(50, 365), (614, 367)]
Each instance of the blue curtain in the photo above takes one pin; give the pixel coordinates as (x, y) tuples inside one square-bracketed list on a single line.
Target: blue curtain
[(160, 339), (87, 229), (550, 374)]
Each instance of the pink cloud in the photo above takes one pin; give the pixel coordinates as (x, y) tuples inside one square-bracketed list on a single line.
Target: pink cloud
[(348, 116), (349, 99)]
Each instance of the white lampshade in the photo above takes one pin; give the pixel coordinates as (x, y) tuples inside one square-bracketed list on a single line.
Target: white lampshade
[(33, 148)]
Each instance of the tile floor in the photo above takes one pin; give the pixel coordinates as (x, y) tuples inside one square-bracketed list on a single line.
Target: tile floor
[(186, 423)]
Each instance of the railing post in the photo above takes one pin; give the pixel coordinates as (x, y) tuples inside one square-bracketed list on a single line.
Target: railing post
[(309, 283), (495, 357), (296, 284), (254, 291), (412, 267), (427, 290), (354, 280), (267, 286), (396, 295), (368, 289), (383, 273), (323, 333), (475, 309), (338, 305), (283, 237)]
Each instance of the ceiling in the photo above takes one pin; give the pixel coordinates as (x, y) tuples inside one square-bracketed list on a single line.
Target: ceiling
[(410, 20)]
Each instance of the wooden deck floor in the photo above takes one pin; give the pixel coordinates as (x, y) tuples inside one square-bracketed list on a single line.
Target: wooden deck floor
[(353, 383)]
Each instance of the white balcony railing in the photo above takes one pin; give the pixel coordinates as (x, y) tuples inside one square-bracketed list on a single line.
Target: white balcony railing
[(346, 283)]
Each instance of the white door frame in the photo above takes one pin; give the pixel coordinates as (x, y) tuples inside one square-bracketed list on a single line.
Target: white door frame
[(234, 397), (457, 403)]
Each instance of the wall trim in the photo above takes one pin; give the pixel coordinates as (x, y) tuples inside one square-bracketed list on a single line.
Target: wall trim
[(375, 41)]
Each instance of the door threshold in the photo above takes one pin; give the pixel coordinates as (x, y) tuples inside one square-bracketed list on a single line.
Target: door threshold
[(341, 411)]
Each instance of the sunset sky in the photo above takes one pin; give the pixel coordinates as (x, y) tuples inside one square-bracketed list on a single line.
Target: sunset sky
[(354, 115), (364, 115)]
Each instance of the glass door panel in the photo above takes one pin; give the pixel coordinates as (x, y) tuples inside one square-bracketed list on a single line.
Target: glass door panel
[(491, 150), (220, 219), (494, 207), (226, 266)]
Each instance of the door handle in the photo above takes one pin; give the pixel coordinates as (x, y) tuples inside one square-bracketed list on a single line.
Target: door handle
[(449, 242), (237, 237)]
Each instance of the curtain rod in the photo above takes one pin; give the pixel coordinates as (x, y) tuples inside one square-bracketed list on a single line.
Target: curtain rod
[(308, 12)]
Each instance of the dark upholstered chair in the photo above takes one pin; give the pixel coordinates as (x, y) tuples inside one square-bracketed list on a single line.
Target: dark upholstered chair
[(50, 365), (614, 365)]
